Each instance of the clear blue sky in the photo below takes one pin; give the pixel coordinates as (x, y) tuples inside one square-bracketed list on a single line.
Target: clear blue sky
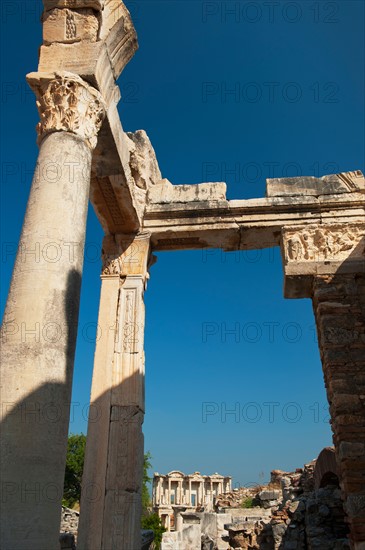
[(295, 70)]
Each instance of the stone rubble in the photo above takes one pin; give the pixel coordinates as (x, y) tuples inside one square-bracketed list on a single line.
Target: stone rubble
[(290, 513), (301, 517)]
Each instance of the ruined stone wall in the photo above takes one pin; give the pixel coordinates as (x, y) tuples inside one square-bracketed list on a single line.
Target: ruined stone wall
[(295, 517), (339, 307), (68, 528)]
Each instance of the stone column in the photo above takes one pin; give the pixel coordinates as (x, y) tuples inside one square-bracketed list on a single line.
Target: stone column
[(180, 490), (169, 492), (327, 263), (41, 315), (111, 495), (179, 522), (189, 491), (157, 492)]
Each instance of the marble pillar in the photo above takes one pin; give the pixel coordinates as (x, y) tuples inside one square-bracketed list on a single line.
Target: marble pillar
[(41, 315)]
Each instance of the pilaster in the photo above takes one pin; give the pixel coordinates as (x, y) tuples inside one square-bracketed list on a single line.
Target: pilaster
[(327, 264), (116, 465)]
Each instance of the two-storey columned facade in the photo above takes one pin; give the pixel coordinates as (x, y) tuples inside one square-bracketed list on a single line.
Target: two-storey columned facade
[(179, 492)]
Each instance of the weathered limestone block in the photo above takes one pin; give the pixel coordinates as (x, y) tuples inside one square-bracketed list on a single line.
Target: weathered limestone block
[(96, 45), (346, 182), (143, 162), (68, 26), (164, 192), (213, 525), (118, 32), (269, 495), (187, 539)]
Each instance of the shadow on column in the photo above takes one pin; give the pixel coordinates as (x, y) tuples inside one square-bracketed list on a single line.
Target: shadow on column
[(34, 435)]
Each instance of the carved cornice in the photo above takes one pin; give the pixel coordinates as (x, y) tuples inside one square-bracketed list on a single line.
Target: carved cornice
[(67, 103)]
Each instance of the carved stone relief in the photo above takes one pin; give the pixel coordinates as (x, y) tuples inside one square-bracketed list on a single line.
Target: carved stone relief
[(66, 103), (321, 243)]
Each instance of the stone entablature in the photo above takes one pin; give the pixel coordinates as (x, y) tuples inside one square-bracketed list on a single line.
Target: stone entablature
[(192, 492)]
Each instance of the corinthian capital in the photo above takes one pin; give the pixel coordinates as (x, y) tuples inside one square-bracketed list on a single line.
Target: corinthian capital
[(127, 255), (67, 103)]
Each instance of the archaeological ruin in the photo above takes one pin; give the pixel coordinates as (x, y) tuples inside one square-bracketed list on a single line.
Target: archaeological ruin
[(175, 491), (319, 224)]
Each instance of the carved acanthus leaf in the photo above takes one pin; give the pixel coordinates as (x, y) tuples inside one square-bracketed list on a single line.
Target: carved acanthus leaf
[(111, 265), (66, 103)]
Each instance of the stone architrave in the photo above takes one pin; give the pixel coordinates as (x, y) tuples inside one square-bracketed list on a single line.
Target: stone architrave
[(327, 263), (41, 315), (111, 498)]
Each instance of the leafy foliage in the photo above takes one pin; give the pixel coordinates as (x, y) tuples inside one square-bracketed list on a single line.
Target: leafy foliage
[(146, 501), (150, 520), (153, 521), (74, 467), (247, 502)]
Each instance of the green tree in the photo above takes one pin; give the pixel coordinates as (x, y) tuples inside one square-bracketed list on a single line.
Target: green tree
[(146, 500), (153, 521), (149, 519), (74, 467)]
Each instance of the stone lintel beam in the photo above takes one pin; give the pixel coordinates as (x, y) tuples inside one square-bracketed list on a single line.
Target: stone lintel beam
[(124, 168), (242, 224), (320, 250)]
